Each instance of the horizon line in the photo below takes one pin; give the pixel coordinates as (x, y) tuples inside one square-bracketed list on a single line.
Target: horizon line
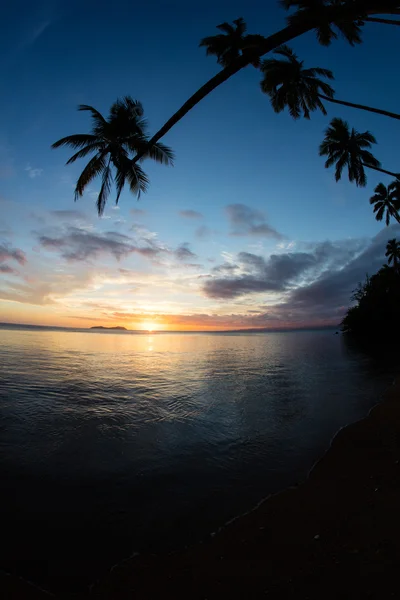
[(122, 329)]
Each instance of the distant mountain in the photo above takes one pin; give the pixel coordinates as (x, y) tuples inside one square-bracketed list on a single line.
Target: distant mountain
[(101, 327)]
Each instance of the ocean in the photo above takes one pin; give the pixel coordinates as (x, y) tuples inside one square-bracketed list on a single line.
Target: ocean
[(114, 443)]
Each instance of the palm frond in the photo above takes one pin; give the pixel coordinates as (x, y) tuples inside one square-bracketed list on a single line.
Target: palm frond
[(286, 51), (120, 178), (137, 178), (381, 190), (329, 18), (241, 26), (127, 104), (322, 72), (104, 190), (78, 140), (94, 167), (369, 159), (95, 147), (226, 28), (97, 118), (340, 165), (365, 139), (160, 153)]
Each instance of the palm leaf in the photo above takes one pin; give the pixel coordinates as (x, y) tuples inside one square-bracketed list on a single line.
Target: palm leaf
[(94, 167), (85, 151), (98, 119), (160, 153), (104, 190), (369, 159), (137, 178), (129, 105), (79, 140)]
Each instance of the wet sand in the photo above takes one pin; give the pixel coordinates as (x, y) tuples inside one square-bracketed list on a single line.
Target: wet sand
[(337, 535)]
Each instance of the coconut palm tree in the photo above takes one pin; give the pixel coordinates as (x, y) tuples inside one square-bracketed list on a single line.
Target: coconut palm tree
[(339, 14), (393, 253), (289, 85), (327, 28), (113, 141), (345, 148), (232, 43), (301, 90), (386, 200)]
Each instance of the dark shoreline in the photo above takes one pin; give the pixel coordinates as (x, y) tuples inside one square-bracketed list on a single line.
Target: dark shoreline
[(340, 526), (335, 535)]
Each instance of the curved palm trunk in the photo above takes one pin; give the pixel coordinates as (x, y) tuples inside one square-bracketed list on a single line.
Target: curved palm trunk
[(384, 21), (396, 175), (277, 39), (377, 111)]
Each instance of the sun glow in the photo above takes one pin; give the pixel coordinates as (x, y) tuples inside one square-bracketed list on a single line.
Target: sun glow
[(149, 326)]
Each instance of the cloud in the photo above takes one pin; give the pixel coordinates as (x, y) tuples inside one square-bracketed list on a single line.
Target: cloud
[(33, 173), (203, 232), (334, 287), (69, 215), (183, 252), (77, 244), (137, 212), (190, 214), (246, 221), (311, 288), (7, 269), (280, 272), (8, 253), (46, 287)]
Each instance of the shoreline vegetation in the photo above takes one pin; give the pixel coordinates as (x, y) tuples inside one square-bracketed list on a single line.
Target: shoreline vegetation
[(335, 533), (373, 316)]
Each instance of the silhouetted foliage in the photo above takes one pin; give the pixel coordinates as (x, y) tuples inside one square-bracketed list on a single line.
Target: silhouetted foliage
[(349, 148), (290, 85), (114, 140), (386, 201), (327, 17), (232, 43), (361, 290), (393, 253), (375, 315), (329, 23)]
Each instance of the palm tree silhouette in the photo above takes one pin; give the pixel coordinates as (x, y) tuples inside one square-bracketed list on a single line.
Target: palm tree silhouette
[(393, 252), (232, 43), (386, 200), (318, 10), (114, 140), (289, 84), (344, 16), (345, 148)]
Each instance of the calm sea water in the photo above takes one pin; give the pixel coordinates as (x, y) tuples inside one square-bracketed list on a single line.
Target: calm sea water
[(112, 443)]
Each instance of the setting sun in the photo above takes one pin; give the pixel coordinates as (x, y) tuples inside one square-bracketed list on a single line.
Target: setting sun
[(149, 326)]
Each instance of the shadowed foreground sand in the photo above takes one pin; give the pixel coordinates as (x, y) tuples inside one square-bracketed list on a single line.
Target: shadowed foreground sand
[(335, 536)]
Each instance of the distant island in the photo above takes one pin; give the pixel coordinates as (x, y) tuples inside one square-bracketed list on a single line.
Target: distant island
[(101, 327)]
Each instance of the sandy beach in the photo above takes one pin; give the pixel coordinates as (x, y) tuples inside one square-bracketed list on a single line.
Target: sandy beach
[(335, 535)]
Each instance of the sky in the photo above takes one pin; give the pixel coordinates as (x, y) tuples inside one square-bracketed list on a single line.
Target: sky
[(247, 230)]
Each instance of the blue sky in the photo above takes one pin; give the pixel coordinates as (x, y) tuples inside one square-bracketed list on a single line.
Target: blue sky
[(231, 151)]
